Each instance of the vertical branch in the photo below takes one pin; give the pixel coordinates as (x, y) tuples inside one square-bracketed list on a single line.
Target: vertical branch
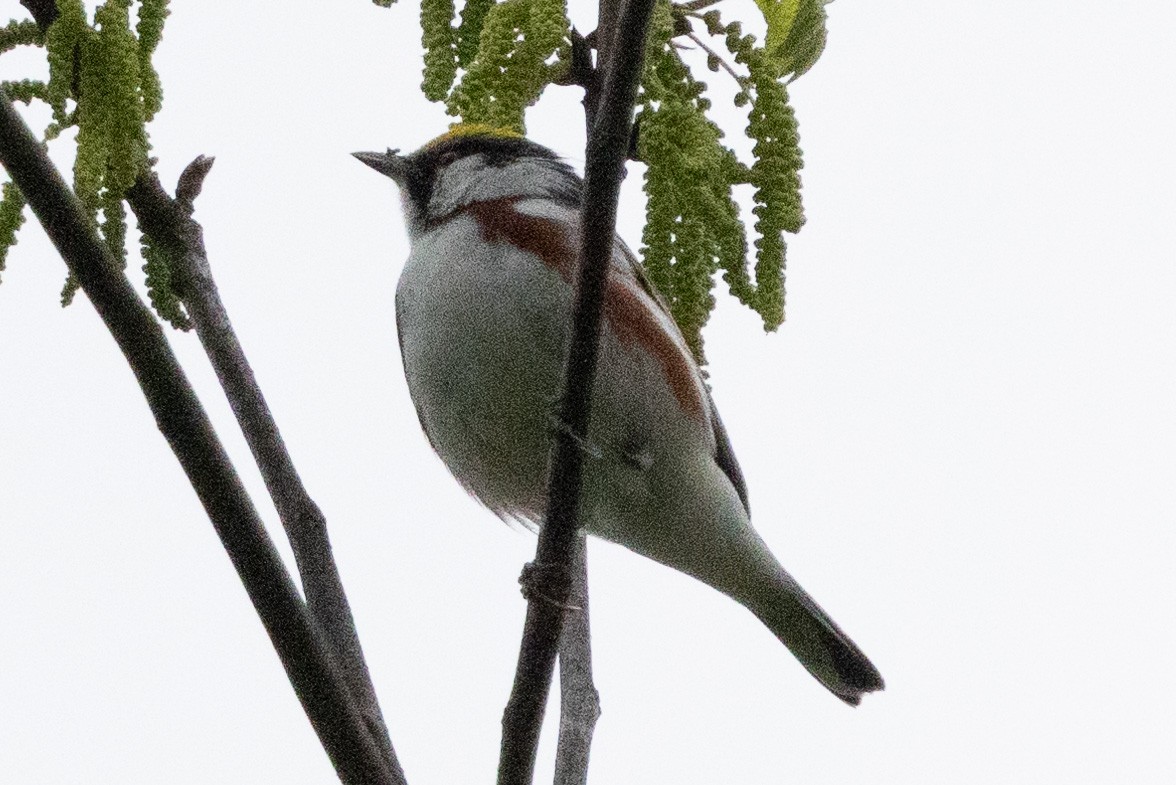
[(608, 145), (607, 18), (579, 702), (317, 682)]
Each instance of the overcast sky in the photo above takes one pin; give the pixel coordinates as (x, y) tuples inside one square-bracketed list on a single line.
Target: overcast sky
[(961, 441)]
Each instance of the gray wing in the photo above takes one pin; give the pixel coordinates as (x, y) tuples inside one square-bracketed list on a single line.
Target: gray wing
[(725, 457), (417, 409), (724, 454)]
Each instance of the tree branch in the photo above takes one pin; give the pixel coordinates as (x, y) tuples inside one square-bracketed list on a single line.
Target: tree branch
[(42, 11), (317, 681), (579, 702), (169, 221), (608, 145), (717, 58)]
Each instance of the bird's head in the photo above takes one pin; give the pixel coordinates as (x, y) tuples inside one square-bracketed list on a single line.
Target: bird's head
[(472, 164)]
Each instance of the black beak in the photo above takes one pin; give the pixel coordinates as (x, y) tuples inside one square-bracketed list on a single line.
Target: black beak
[(389, 164)]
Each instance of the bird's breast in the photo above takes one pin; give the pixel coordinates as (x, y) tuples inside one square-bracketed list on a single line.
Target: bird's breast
[(483, 307)]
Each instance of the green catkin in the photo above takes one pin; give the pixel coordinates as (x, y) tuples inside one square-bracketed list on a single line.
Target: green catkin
[(69, 289), (128, 148), (158, 270), (149, 30), (122, 116), (438, 38), (12, 205), (114, 226), (106, 69), (511, 68), (20, 33), (116, 93), (775, 173), (469, 32), (62, 40), (26, 90), (692, 224), (93, 138)]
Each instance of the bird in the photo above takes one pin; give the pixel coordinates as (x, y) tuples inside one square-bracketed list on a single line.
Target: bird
[(483, 310)]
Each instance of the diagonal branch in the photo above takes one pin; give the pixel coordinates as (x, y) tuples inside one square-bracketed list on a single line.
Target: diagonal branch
[(317, 681), (716, 57), (169, 222), (608, 146)]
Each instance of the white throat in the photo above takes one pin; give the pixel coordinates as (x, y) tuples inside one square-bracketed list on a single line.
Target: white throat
[(471, 180)]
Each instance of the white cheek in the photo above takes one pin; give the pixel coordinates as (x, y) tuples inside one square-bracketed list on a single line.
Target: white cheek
[(459, 184)]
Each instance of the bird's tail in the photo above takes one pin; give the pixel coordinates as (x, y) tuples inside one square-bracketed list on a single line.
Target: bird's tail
[(820, 645)]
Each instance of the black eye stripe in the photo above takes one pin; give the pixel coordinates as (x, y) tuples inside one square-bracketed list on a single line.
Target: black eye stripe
[(495, 151)]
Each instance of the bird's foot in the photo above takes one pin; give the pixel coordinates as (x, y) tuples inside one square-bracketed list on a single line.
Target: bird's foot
[(547, 582)]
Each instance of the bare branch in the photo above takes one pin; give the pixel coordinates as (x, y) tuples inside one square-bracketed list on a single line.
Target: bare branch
[(579, 702), (608, 146), (317, 681), (42, 11), (717, 57), (696, 5), (169, 222)]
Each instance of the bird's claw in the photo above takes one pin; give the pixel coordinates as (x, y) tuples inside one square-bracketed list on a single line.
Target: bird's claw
[(546, 582)]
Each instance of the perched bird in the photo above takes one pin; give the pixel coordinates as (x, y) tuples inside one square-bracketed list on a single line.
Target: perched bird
[(482, 309)]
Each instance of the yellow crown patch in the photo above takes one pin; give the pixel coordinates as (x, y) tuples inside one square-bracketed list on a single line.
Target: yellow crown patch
[(459, 130)]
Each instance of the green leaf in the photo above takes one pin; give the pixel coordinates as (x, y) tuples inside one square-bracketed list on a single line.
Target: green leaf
[(779, 14), (796, 33)]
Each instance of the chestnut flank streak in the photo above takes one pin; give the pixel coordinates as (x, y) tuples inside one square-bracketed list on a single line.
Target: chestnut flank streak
[(550, 242)]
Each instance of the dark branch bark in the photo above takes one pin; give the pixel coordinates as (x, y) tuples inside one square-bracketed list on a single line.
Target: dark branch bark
[(317, 681), (42, 11), (608, 145), (579, 702), (169, 222)]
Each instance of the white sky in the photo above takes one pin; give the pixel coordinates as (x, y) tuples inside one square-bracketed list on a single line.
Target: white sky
[(961, 441)]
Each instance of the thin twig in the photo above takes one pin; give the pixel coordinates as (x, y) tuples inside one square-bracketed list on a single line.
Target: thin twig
[(579, 702), (169, 222), (579, 71), (726, 66), (696, 5), (317, 681), (608, 146)]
